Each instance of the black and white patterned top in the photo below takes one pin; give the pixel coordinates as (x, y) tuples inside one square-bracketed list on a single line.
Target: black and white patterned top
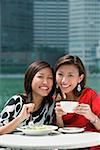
[(44, 115)]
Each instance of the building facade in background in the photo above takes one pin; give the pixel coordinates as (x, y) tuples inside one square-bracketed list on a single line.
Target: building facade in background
[(84, 30), (47, 29), (50, 24), (50, 29), (33, 29), (16, 34)]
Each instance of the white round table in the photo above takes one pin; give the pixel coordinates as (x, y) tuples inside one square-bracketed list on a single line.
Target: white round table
[(61, 141)]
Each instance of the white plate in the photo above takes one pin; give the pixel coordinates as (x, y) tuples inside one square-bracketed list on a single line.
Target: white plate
[(37, 130), (71, 130)]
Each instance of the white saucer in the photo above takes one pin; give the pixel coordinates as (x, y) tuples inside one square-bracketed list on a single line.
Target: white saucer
[(71, 130)]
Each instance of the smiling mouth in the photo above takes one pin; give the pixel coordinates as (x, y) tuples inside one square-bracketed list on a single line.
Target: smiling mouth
[(44, 88), (65, 86)]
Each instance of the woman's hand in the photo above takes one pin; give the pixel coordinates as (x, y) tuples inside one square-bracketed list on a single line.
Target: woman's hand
[(59, 113), (26, 111), (85, 110), (58, 110)]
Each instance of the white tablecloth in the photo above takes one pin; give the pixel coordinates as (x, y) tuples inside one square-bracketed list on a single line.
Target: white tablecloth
[(61, 141)]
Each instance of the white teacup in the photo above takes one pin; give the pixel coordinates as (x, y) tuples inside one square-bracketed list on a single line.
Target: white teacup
[(68, 106)]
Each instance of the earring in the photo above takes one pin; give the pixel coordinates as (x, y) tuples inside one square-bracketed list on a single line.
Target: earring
[(79, 87), (57, 95)]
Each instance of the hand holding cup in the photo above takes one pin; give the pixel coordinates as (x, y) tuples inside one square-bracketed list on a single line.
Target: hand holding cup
[(69, 106)]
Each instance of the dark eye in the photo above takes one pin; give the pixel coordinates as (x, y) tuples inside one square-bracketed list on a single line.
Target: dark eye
[(40, 76), (60, 74), (70, 75)]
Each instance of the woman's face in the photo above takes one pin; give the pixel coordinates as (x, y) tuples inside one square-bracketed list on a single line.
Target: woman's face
[(67, 78), (42, 82)]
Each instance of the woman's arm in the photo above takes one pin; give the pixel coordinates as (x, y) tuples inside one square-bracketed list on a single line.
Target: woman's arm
[(59, 113), (85, 110), (24, 114), (95, 120), (59, 122), (11, 126)]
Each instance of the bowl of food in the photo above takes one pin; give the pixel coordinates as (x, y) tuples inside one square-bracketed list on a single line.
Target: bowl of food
[(68, 106), (37, 129)]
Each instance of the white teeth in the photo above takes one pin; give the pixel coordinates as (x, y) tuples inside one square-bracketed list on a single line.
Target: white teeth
[(44, 88), (65, 86)]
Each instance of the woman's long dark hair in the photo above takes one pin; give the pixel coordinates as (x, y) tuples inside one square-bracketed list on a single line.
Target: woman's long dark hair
[(29, 75), (73, 60)]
